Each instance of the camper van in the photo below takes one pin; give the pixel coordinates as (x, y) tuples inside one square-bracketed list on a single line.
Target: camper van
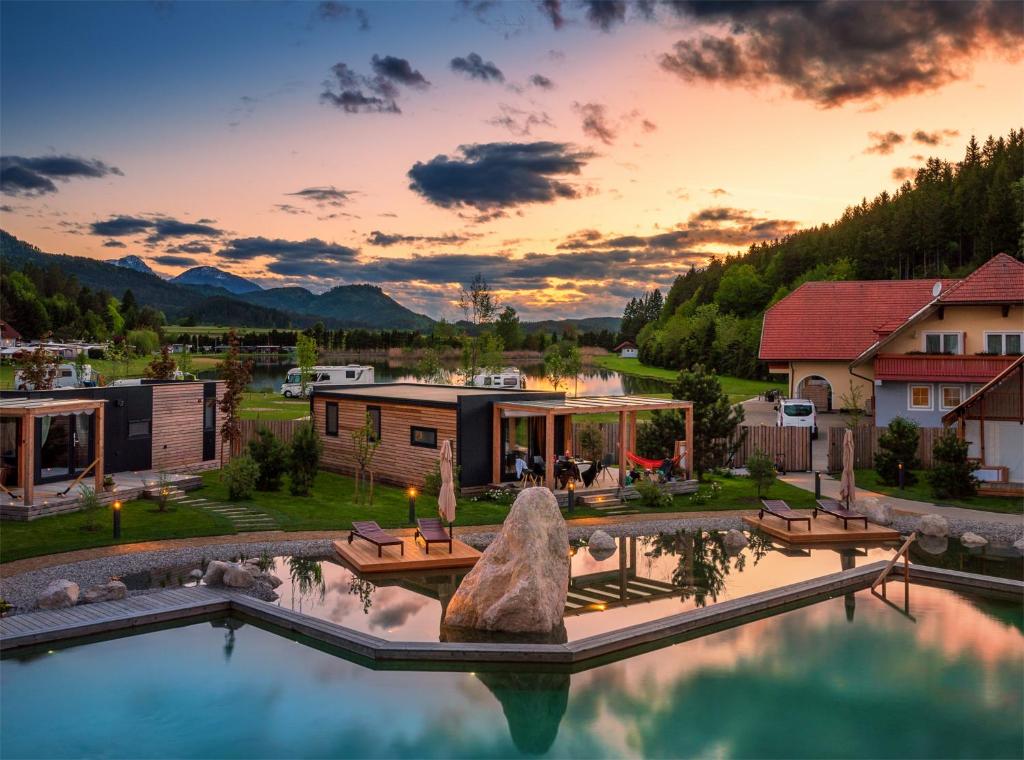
[(348, 374), (509, 377), (798, 412), (178, 376), (66, 377)]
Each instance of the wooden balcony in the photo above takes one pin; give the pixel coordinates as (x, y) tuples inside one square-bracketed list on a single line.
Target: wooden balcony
[(961, 368)]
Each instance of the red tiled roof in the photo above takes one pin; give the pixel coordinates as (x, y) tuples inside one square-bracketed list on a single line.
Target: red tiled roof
[(998, 280), (7, 332), (838, 320)]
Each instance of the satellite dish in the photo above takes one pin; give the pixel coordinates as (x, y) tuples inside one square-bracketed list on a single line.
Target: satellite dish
[(936, 289)]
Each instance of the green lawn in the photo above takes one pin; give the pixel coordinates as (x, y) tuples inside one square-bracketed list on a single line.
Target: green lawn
[(738, 388), (115, 370), (921, 491), (267, 405), (329, 508)]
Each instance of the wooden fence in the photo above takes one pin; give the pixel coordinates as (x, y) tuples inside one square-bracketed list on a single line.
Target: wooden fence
[(865, 444), (283, 429)]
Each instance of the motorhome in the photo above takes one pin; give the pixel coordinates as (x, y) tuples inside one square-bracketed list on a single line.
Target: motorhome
[(178, 376), (509, 377), (66, 377), (321, 375)]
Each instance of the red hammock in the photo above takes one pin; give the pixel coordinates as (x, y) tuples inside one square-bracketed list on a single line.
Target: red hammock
[(649, 464)]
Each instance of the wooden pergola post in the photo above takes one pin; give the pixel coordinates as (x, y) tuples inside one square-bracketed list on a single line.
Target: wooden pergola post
[(622, 448), (690, 449), (549, 449), (496, 464), (28, 458), (98, 437), (632, 432)]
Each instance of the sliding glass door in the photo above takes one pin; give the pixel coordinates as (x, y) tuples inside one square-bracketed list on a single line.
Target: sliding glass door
[(64, 445)]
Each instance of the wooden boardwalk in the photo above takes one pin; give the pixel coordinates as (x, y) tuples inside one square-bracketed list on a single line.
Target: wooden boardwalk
[(362, 555), (824, 530)]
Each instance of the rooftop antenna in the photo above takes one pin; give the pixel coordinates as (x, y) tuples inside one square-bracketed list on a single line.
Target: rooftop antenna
[(936, 289)]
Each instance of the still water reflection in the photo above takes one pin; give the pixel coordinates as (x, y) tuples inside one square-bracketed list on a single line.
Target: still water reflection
[(812, 682)]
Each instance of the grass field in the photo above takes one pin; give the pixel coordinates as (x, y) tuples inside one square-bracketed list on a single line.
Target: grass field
[(737, 388), (267, 405), (115, 370), (921, 491), (330, 507)]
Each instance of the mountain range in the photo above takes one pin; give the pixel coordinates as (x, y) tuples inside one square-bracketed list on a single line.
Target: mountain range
[(216, 278)]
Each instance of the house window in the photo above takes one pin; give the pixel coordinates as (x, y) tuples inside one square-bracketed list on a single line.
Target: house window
[(425, 437), (209, 415), (1003, 343), (373, 412), (331, 418), (139, 428), (942, 343), (952, 395), (920, 397)]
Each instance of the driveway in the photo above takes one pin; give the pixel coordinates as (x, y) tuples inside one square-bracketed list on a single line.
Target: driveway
[(763, 413)]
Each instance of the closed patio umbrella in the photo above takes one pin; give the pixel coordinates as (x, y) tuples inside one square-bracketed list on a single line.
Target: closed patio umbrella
[(847, 488), (446, 499)]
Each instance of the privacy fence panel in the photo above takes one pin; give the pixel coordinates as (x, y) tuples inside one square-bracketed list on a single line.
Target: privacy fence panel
[(865, 444), (283, 429), (788, 445)]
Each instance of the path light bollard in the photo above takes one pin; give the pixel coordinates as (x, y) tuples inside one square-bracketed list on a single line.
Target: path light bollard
[(117, 519), (817, 485), (571, 486), (412, 506), (899, 467)]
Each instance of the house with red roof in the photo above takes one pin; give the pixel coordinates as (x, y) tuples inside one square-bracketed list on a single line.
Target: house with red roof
[(909, 348)]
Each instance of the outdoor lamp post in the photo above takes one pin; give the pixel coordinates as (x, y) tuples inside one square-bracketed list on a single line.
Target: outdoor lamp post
[(117, 519), (899, 467), (571, 486), (412, 506)]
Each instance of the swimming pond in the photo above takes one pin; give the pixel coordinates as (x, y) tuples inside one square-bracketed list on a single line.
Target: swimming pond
[(845, 677)]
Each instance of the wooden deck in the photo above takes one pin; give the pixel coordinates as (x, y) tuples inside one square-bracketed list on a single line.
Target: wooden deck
[(824, 530), (362, 555)]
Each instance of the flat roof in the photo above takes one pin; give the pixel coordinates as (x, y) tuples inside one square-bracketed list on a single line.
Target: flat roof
[(418, 392), (20, 406), (590, 405)]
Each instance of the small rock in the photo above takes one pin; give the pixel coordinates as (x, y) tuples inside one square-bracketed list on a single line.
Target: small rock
[(973, 540), (934, 545), (1019, 545), (735, 540), (196, 575), (59, 594), (237, 576), (261, 589), (933, 525), (214, 575), (600, 545), (105, 592), (272, 579)]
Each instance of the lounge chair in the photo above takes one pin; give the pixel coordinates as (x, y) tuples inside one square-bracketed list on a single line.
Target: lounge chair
[(779, 508), (368, 530), (837, 510), (432, 531)]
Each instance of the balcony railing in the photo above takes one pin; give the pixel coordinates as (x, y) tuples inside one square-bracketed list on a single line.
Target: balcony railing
[(940, 367)]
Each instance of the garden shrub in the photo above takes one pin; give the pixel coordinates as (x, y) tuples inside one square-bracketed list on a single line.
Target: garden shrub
[(952, 474), (271, 455), (304, 460), (89, 505), (762, 471), (651, 495), (240, 475), (898, 443)]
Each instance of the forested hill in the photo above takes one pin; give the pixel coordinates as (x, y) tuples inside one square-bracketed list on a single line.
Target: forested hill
[(948, 220)]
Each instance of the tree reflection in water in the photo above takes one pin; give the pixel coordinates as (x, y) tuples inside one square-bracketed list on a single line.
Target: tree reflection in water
[(363, 589), (704, 562), (308, 575)]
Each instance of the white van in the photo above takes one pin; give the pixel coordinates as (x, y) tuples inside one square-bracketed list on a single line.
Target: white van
[(66, 376), (510, 377), (347, 374), (798, 412)]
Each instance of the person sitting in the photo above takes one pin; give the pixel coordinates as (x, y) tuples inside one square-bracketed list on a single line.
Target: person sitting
[(521, 466)]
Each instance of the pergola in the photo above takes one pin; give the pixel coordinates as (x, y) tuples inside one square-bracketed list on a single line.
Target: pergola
[(999, 400), (26, 410), (626, 407)]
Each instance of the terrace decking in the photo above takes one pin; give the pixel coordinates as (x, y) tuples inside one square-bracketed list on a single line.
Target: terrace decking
[(824, 530), (363, 556)]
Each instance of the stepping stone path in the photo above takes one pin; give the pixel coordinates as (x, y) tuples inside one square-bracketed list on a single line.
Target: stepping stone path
[(242, 518)]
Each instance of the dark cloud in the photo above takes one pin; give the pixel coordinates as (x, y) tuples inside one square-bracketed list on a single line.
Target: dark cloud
[(541, 81), (7, 209), (324, 196), (332, 10), (174, 261), (385, 240), (520, 122), (647, 125), (883, 142), (398, 70), (595, 121), (194, 246), (312, 257), (492, 176), (933, 138), (159, 227), (834, 51), (288, 208), (605, 14), (113, 244), (120, 226), (34, 176), (902, 173), (719, 191), (552, 9), (357, 93), (476, 67)]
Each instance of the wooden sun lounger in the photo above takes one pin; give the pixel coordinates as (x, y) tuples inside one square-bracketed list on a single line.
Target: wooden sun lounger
[(432, 531), (837, 510), (779, 508), (368, 530)]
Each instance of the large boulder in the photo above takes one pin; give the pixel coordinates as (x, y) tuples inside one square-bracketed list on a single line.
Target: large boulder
[(237, 576), (735, 540), (933, 525), (59, 594), (214, 574), (105, 592), (520, 583), (600, 545), (878, 512), (973, 540)]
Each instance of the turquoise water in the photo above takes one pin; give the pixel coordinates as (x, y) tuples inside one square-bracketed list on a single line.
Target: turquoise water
[(848, 677)]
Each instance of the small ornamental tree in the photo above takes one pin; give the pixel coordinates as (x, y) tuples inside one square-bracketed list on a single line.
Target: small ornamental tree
[(898, 444), (304, 460), (762, 471), (271, 455), (561, 362), (38, 370), (952, 474), (306, 354), (162, 367), (236, 375), (365, 444), (714, 419), (119, 351)]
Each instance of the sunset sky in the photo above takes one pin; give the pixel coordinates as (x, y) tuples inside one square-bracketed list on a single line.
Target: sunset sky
[(575, 153)]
